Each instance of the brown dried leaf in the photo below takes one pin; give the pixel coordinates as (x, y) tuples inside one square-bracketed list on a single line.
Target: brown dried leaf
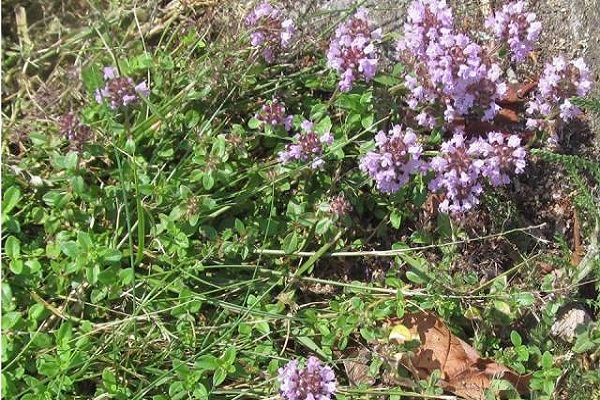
[(578, 249), (439, 348), (505, 116), (516, 95), (464, 372), (357, 368), (472, 383)]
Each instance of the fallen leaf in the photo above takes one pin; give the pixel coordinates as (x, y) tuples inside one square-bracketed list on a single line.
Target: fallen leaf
[(464, 372), (401, 334), (472, 383), (439, 348), (516, 95), (505, 116), (357, 368), (578, 249)]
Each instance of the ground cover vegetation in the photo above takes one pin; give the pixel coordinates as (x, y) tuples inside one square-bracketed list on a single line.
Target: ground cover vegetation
[(249, 200)]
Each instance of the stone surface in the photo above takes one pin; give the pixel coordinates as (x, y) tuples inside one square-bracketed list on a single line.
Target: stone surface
[(571, 320)]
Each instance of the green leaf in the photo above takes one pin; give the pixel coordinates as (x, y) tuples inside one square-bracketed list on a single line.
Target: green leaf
[(219, 376), (387, 80), (70, 160), (7, 296), (56, 199), (368, 334), (12, 247), (317, 111), (11, 198), (290, 243), (109, 380), (229, 356), (415, 278), (502, 307), (70, 249), (85, 241), (126, 276), (311, 345), (396, 219), (349, 101), (48, 366), (64, 333), (253, 123), (367, 122), (11, 319), (16, 266), (524, 299), (92, 78), (200, 392), (78, 185), (515, 338), (38, 139), (263, 327), (111, 256), (324, 125), (36, 312), (177, 390), (323, 226), (584, 344), (207, 362), (143, 61), (547, 360), (244, 329), (208, 181), (34, 266)]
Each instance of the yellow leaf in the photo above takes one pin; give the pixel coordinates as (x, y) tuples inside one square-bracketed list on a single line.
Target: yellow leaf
[(401, 334)]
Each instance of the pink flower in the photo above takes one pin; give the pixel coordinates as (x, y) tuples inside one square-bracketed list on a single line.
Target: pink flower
[(270, 30), (516, 27), (396, 159), (352, 51)]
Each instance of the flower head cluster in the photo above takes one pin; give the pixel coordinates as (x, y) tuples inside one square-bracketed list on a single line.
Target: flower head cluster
[(503, 156), (449, 68), (120, 91), (397, 157), (458, 173), (75, 131), (461, 167), (339, 206), (352, 50), (313, 382), (516, 27), (427, 21), (269, 30), (559, 81), (273, 113), (307, 146)]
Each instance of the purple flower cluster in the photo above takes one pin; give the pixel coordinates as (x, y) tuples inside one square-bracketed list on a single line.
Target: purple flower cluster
[(397, 157), (516, 27), (273, 114), (307, 146), (449, 68), (457, 171), (503, 156), (427, 21), (120, 91), (352, 50), (461, 167), (339, 206), (269, 30), (313, 382), (559, 81), (75, 131)]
